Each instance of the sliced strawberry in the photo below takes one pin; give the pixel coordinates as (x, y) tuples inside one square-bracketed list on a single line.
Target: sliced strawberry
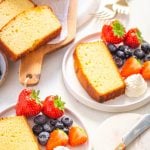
[(77, 136), (133, 38), (57, 138), (131, 66), (53, 107), (146, 70), (113, 33), (28, 103)]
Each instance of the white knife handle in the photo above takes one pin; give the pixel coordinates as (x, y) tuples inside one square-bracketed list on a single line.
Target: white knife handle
[(137, 129)]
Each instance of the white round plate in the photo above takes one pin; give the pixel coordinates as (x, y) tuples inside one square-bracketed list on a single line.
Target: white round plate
[(3, 67), (109, 134), (85, 8), (10, 111), (119, 104)]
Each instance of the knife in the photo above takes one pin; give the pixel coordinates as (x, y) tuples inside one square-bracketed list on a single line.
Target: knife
[(134, 132)]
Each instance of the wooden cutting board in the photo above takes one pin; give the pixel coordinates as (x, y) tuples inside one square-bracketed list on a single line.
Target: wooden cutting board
[(30, 66)]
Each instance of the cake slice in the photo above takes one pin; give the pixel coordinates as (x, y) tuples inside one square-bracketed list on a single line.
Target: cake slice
[(15, 134), (10, 8), (97, 72), (28, 31)]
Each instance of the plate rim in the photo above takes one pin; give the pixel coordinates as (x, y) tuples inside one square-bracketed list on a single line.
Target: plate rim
[(101, 106), (12, 106)]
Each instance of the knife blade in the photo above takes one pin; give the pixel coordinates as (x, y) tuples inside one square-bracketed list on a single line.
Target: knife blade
[(142, 125)]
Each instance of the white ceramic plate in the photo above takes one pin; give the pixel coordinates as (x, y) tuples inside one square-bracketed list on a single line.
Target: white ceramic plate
[(109, 134), (3, 67), (119, 104), (10, 111)]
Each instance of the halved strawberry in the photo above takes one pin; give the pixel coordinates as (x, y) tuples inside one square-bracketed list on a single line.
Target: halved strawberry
[(131, 66), (113, 33), (77, 136), (28, 103), (146, 70), (57, 138)]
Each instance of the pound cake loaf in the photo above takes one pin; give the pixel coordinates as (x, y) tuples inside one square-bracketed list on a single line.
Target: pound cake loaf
[(97, 72), (28, 31), (10, 8), (15, 134)]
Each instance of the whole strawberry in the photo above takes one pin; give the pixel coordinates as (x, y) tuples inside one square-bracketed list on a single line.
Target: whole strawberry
[(28, 103), (53, 107), (133, 38), (113, 33)]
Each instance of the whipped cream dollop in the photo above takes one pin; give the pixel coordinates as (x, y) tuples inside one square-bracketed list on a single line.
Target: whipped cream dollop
[(61, 148), (135, 85)]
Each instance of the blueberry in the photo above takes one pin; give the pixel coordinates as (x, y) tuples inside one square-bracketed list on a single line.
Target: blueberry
[(47, 127), (66, 130), (53, 122), (112, 47), (145, 47), (43, 138), (37, 129), (120, 54), (40, 119), (139, 54), (67, 121), (128, 52), (119, 62), (59, 125), (147, 58), (121, 48)]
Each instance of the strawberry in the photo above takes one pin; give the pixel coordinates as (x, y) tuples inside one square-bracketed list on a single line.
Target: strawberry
[(146, 70), (131, 66), (57, 138), (28, 103), (53, 107), (113, 33), (133, 38), (77, 136)]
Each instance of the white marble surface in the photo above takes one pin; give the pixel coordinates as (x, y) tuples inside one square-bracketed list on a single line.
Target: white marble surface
[(51, 81)]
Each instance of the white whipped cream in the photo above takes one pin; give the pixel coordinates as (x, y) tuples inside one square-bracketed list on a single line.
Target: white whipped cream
[(135, 85), (61, 148)]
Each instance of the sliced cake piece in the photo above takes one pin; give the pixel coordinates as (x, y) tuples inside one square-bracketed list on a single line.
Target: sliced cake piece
[(28, 31), (15, 134), (10, 8), (97, 71)]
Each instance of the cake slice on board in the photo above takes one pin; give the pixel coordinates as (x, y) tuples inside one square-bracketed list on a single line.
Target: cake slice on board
[(97, 72), (28, 31)]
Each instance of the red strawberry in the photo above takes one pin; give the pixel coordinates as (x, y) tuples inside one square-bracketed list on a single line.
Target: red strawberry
[(28, 103), (113, 33), (77, 136), (146, 70), (131, 66), (133, 38), (57, 138), (53, 107)]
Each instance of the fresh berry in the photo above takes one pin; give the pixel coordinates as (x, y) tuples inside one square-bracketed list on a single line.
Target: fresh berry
[(112, 48), (121, 48), (133, 38), (48, 128), (53, 121), (57, 138), (146, 70), (113, 33), (147, 57), (67, 121), (120, 54), (37, 129), (145, 47), (128, 52), (28, 103), (43, 137), (119, 62), (59, 125), (53, 107), (77, 136), (66, 130), (139, 54), (131, 66), (40, 119)]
